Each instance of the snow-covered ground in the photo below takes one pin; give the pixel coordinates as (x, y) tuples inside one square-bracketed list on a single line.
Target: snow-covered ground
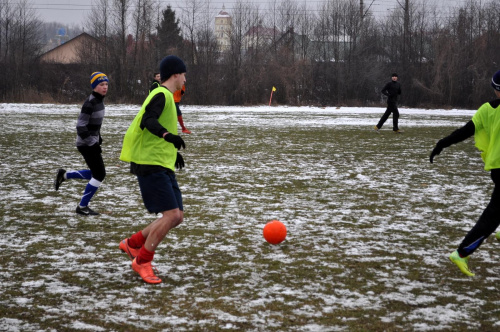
[(370, 225)]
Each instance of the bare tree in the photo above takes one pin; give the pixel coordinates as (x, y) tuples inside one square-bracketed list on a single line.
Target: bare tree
[(20, 45), (192, 19), (98, 26), (304, 27), (5, 40), (203, 76), (6, 9), (118, 46), (142, 59), (255, 43), (241, 24), (26, 33), (338, 54)]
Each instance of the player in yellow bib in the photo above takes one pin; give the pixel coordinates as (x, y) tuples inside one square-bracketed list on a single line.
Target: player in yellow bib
[(151, 146), (485, 126)]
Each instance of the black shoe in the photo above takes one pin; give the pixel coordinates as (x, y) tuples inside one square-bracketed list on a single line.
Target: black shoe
[(86, 211), (59, 178)]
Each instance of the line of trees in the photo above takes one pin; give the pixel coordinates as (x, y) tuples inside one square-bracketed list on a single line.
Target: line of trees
[(338, 54)]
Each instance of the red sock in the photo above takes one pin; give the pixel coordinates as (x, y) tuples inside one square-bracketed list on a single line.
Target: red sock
[(144, 256), (181, 122), (137, 240)]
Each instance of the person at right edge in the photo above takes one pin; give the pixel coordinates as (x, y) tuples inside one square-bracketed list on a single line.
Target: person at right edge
[(392, 90), (151, 146), (177, 99), (485, 126)]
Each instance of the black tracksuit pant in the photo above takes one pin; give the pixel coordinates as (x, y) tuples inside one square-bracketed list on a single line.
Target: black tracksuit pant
[(392, 107), (487, 223)]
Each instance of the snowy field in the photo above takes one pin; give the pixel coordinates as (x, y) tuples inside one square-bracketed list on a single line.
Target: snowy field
[(370, 225)]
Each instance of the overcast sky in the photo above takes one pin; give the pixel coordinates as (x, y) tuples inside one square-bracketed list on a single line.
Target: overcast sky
[(72, 12)]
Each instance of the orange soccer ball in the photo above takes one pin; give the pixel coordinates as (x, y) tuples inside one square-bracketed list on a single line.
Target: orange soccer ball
[(274, 232)]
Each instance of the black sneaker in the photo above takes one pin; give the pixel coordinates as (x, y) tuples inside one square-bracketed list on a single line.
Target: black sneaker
[(59, 178), (86, 211)]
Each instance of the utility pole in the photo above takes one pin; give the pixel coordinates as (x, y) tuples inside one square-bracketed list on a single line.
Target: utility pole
[(361, 9), (406, 31)]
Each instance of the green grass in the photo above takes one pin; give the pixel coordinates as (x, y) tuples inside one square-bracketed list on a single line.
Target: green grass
[(370, 224)]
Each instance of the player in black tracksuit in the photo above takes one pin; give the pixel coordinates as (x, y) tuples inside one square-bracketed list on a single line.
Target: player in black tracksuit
[(392, 90)]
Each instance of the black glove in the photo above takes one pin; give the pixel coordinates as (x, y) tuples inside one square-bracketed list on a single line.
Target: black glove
[(176, 140), (179, 162), (437, 150), (182, 92)]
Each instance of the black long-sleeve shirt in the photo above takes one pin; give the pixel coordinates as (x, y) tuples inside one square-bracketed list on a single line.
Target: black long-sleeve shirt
[(392, 90), (150, 122), (152, 114), (459, 135)]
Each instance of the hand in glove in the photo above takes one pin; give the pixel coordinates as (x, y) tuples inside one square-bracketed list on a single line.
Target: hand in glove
[(437, 150), (176, 140), (179, 162)]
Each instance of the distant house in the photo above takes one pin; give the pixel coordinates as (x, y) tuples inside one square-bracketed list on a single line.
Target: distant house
[(331, 48), (259, 36), (71, 51)]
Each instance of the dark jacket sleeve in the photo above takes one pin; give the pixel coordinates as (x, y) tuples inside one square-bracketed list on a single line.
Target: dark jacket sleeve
[(152, 114), (385, 90), (459, 135)]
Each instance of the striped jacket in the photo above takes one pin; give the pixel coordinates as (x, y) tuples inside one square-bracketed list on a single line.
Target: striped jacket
[(88, 125)]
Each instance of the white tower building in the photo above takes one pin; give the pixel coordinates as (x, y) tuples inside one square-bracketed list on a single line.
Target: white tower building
[(223, 23)]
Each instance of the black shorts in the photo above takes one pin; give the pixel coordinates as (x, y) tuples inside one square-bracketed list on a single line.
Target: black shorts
[(160, 192)]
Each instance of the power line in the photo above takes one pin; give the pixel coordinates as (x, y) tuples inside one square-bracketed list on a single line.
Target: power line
[(438, 3), (379, 8)]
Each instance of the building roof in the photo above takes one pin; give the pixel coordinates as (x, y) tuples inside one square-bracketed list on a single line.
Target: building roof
[(223, 13), (262, 31), (67, 52)]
